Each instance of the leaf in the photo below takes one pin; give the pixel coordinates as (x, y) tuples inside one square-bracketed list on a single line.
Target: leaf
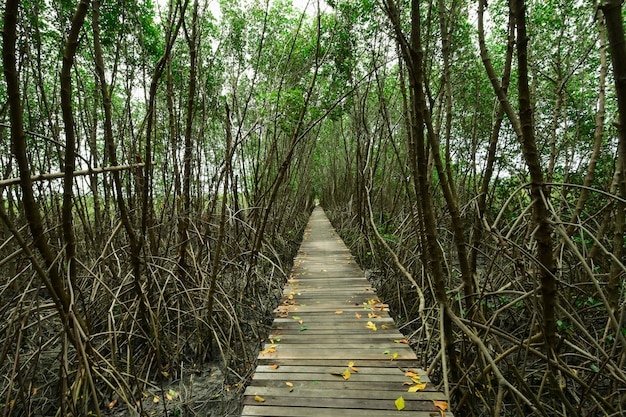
[(275, 366), (295, 317), (357, 315), (400, 403), (112, 404), (352, 367), (339, 312), (416, 379), (303, 328), (259, 399), (173, 393), (394, 356), (371, 326), (156, 399), (270, 349), (594, 368), (386, 352), (417, 387), (406, 342), (373, 315), (346, 374), (289, 384), (384, 327), (411, 373), (442, 405)]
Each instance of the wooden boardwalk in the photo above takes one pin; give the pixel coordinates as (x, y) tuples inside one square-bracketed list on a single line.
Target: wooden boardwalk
[(333, 349)]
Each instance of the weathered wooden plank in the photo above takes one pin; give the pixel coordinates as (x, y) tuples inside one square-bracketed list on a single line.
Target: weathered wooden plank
[(309, 392), (250, 411), (340, 385), (338, 362), (344, 403), (362, 370)]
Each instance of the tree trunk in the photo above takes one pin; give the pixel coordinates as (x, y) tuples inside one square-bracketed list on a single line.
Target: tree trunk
[(186, 214), (70, 137), (612, 10), (538, 190)]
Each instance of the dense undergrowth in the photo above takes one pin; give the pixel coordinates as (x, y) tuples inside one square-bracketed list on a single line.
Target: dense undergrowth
[(584, 376), (169, 355)]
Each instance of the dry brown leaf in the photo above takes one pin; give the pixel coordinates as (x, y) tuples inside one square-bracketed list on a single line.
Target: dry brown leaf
[(339, 312), (357, 315), (273, 367), (270, 349), (112, 404), (442, 405)]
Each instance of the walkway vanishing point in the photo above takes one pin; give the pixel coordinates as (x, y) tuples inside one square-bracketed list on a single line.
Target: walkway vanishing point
[(333, 349)]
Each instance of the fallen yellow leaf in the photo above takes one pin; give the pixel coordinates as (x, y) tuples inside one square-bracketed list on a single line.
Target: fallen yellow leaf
[(346, 374), (259, 399), (394, 356), (273, 367), (112, 404), (352, 367), (400, 403), (371, 325), (339, 312), (373, 315), (289, 384), (417, 387), (406, 342), (156, 399), (384, 327), (411, 373)]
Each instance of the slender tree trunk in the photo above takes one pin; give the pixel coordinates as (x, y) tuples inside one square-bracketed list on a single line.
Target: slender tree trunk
[(18, 146), (538, 190), (413, 56), (598, 134), (491, 154), (186, 215), (70, 137), (612, 10)]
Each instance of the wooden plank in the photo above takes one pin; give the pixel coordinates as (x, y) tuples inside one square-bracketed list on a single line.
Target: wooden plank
[(344, 403), (394, 387), (301, 392), (250, 411)]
